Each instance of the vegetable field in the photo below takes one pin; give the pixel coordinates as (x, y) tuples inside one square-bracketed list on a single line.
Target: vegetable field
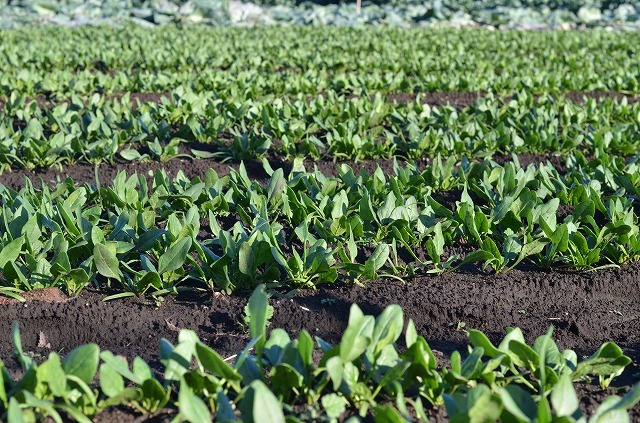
[(319, 224)]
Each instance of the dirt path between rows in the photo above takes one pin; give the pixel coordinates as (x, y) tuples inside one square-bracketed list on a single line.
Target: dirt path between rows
[(81, 173), (459, 99), (586, 309)]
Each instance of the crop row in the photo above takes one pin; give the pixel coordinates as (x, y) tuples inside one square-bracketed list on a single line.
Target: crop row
[(305, 228), (287, 61), (106, 130), (277, 378)]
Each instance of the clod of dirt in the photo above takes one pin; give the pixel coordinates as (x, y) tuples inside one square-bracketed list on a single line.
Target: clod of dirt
[(47, 295)]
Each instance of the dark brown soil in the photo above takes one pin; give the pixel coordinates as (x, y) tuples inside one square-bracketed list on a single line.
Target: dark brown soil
[(458, 99), (586, 309), (49, 295), (525, 159), (81, 172)]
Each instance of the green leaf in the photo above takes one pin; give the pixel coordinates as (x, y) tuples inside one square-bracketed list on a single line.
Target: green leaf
[(276, 345), (148, 238), (130, 154), (376, 261), (563, 397), (212, 362), (411, 334), (82, 362), (192, 408), (119, 364), (106, 261), (501, 209), (335, 370), (154, 396), (387, 414), (614, 409), (479, 339), (334, 405), (111, 383), (224, 413), (518, 402), (53, 375), (175, 256), (259, 404), (246, 259), (523, 355), (11, 251), (366, 211), (357, 337), (14, 413), (388, 327), (257, 310), (276, 185), (608, 360), (141, 369)]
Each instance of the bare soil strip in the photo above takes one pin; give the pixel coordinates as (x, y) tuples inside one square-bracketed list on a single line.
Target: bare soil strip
[(459, 99), (81, 172)]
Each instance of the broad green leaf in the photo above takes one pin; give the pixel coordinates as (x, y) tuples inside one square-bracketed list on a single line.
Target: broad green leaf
[(224, 413), (614, 409), (334, 405), (148, 239), (11, 251), (518, 402), (335, 370), (52, 373), (257, 312), (82, 362), (14, 413), (175, 256), (377, 259), (357, 337), (608, 360), (411, 335), (111, 383), (192, 408), (479, 339), (523, 355), (246, 259), (388, 327), (212, 362), (130, 154), (563, 397), (106, 261), (387, 414), (259, 404), (154, 396), (276, 185)]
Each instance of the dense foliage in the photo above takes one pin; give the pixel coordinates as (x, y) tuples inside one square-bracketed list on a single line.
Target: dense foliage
[(254, 63)]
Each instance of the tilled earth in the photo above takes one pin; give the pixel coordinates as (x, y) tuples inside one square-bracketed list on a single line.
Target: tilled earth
[(585, 308)]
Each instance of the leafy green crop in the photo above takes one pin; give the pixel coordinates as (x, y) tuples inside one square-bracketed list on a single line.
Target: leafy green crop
[(303, 229), (275, 378)]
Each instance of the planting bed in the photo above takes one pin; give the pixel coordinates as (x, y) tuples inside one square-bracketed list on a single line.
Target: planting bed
[(143, 197)]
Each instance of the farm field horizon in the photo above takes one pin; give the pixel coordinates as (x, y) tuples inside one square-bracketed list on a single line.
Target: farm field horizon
[(217, 187)]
